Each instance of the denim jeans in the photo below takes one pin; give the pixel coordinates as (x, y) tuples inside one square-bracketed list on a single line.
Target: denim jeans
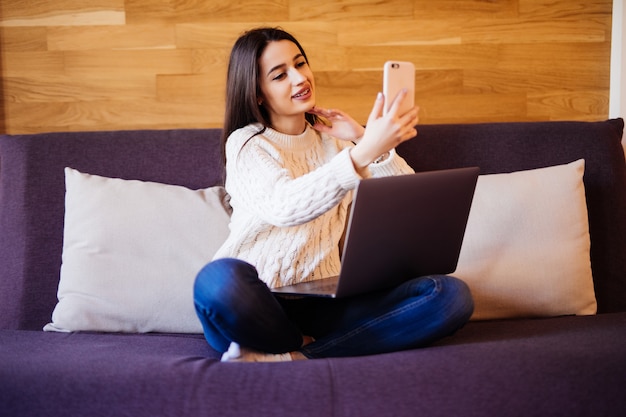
[(233, 304)]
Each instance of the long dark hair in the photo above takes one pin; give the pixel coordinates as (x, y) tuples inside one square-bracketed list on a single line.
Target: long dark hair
[(242, 82)]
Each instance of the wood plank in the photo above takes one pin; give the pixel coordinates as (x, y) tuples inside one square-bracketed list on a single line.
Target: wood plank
[(559, 105), (357, 10), (211, 53), (3, 121), (16, 64), (467, 8), (552, 10), (502, 81), (20, 9), (469, 108), (211, 61), (348, 83), (62, 88), (61, 13), (442, 57), (206, 11), (426, 32), (110, 115), (551, 57), (84, 38), (70, 19), (201, 35), (125, 63), (322, 58), (23, 39), (534, 31), (435, 82), (189, 88), (312, 33)]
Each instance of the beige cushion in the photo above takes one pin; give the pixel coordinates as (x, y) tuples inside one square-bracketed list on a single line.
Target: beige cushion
[(526, 247), (131, 252)]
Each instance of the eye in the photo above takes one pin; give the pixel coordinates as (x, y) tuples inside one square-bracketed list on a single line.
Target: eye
[(301, 64), (280, 76)]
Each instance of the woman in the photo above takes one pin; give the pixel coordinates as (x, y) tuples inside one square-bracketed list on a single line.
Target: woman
[(290, 177)]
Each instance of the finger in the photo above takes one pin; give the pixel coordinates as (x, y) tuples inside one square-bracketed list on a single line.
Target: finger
[(397, 101), (411, 117), (319, 111), (407, 134), (328, 113), (377, 108), (411, 133), (321, 127)]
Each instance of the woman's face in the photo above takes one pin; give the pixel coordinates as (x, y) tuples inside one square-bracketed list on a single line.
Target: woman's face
[(287, 86)]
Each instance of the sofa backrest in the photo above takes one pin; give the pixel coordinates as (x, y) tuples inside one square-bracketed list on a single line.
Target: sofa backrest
[(32, 189)]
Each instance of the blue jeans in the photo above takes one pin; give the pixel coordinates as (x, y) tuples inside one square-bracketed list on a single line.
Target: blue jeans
[(233, 304)]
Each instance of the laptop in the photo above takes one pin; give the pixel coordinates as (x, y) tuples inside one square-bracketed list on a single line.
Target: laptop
[(400, 228)]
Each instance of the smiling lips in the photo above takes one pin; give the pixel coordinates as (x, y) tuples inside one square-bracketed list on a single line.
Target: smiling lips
[(305, 93)]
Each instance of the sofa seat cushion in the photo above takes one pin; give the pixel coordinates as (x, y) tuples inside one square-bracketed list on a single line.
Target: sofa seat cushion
[(566, 366)]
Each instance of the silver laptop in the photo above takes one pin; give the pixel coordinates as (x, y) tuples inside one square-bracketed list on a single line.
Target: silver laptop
[(400, 227)]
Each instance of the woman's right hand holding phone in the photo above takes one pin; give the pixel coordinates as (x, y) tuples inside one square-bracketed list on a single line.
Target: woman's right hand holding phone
[(384, 132)]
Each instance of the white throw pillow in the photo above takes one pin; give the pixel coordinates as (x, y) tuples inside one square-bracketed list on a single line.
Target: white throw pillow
[(526, 247), (131, 253)]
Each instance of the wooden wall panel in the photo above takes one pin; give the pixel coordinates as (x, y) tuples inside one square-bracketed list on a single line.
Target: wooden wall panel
[(20, 13), (132, 64)]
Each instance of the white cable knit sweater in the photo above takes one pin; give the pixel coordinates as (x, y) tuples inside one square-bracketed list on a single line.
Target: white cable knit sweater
[(290, 198)]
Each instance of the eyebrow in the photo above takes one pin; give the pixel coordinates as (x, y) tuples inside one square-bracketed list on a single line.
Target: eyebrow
[(283, 65)]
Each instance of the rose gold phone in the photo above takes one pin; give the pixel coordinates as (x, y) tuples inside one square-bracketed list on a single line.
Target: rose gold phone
[(396, 76)]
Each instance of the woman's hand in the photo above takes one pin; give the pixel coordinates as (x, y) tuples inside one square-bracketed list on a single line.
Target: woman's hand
[(383, 133), (342, 126)]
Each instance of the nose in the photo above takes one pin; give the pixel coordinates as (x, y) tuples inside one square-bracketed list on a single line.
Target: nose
[(296, 76)]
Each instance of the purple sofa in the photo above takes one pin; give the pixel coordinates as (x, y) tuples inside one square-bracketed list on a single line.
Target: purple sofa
[(554, 366)]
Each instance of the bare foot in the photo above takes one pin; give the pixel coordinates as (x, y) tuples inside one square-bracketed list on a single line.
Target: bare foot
[(297, 356)]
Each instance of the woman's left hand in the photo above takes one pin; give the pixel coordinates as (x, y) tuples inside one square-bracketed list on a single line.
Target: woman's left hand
[(342, 126)]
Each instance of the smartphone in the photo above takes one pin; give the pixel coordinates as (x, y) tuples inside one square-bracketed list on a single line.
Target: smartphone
[(396, 76)]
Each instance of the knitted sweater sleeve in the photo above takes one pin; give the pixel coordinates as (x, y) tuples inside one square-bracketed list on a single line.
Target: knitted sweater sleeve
[(393, 165), (259, 182)]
